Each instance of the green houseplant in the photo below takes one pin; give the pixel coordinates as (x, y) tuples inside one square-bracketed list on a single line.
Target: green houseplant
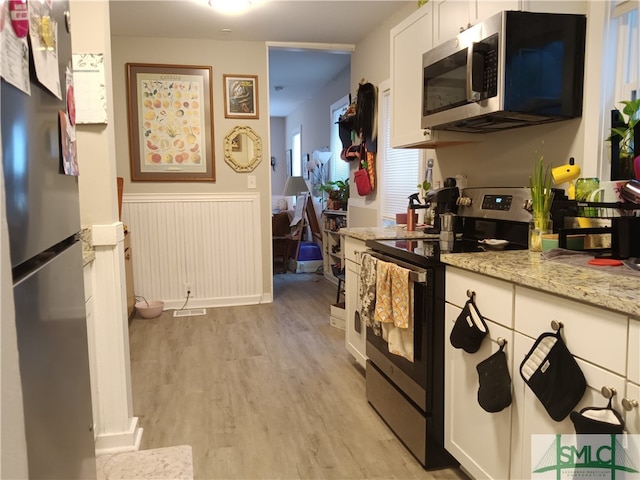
[(337, 192), (630, 116), (541, 199)]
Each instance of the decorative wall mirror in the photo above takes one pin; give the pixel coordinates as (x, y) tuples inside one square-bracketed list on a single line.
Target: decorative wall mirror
[(242, 149)]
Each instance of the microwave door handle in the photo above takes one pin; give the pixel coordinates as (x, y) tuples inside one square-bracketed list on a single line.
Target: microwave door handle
[(475, 71)]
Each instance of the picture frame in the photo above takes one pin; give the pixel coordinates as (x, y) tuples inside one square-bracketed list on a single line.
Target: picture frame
[(240, 96), (170, 119)]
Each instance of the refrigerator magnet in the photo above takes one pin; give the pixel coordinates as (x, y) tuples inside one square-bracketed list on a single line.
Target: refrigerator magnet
[(19, 14)]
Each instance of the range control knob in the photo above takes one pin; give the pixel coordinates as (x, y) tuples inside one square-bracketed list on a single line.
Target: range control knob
[(464, 201)]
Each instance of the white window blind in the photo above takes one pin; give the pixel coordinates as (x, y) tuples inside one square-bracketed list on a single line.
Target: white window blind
[(400, 169)]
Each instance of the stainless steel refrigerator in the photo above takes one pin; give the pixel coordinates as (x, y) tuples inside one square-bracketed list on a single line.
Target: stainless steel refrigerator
[(43, 215)]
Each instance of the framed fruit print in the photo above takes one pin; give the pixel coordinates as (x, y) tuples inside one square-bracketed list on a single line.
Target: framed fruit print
[(240, 96), (170, 112)]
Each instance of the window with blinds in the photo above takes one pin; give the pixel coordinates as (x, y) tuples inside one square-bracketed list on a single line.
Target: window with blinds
[(400, 167)]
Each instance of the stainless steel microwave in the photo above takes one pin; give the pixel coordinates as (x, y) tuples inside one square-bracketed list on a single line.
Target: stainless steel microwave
[(511, 70)]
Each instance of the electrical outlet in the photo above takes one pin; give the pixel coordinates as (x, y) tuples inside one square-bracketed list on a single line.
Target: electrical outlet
[(189, 290)]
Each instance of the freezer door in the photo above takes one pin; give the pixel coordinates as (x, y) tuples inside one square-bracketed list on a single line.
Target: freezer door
[(42, 204), (54, 368)]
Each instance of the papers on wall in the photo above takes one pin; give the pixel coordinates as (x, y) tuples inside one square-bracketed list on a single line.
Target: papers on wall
[(15, 55), (43, 32), (89, 86)]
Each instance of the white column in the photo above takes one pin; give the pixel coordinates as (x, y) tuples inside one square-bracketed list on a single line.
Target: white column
[(117, 427)]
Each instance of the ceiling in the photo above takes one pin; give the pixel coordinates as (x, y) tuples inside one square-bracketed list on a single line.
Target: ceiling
[(296, 21)]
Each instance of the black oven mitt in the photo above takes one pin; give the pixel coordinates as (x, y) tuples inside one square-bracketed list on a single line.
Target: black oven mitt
[(494, 392), (469, 329), (594, 420)]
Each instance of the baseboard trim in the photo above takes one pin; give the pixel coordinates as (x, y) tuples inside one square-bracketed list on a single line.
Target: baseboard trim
[(127, 441)]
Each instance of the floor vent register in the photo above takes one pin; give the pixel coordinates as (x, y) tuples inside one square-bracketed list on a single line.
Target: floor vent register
[(190, 313)]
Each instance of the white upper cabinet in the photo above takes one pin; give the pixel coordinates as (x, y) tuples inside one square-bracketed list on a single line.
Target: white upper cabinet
[(409, 40), (453, 16)]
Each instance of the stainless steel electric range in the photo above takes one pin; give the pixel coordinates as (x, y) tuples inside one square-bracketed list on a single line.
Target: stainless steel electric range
[(409, 396)]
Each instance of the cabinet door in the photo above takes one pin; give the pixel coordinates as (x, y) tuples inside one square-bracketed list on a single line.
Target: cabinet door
[(555, 6), (479, 440), (633, 360), (409, 40), (355, 332), (632, 417), (451, 16), (487, 8), (530, 417)]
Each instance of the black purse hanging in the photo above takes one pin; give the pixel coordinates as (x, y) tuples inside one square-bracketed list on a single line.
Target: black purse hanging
[(553, 375), (469, 329)]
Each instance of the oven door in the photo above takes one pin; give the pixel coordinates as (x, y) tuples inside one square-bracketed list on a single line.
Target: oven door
[(412, 378)]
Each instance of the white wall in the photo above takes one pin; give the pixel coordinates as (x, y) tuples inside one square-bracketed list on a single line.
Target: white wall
[(225, 57), (315, 117)]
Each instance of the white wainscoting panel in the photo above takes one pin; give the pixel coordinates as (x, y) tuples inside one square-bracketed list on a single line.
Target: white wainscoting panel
[(212, 241)]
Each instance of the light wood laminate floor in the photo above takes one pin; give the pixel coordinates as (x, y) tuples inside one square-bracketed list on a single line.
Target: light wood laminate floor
[(264, 391)]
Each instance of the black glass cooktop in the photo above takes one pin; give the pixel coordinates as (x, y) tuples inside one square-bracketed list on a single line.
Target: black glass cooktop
[(426, 252)]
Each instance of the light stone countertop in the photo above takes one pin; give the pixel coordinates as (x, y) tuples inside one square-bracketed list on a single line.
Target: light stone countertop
[(88, 253), (383, 233), (584, 284)]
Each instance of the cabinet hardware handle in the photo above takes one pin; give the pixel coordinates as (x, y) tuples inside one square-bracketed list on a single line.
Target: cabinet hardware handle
[(608, 392), (629, 405), (471, 293), (556, 325), (501, 341), (127, 256)]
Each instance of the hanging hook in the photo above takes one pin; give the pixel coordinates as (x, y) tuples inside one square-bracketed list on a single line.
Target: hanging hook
[(608, 392), (556, 325), (471, 294)]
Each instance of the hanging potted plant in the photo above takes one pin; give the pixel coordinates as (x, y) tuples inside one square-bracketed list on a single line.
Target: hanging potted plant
[(625, 135), (541, 199)]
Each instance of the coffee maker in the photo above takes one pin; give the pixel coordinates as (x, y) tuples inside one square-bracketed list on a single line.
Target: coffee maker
[(445, 200)]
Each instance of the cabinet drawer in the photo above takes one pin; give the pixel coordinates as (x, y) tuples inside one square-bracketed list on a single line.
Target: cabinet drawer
[(494, 298), (633, 362), (353, 248), (596, 335)]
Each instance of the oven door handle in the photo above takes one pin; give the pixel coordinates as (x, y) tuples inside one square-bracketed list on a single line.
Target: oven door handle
[(416, 274)]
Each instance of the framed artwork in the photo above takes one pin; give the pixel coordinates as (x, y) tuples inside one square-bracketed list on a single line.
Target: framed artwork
[(240, 96), (170, 110)]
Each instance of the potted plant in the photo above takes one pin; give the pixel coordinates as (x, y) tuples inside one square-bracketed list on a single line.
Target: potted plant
[(541, 198), (625, 135), (338, 193)]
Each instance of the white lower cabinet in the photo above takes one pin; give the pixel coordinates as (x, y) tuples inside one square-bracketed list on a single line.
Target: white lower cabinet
[(530, 417), (355, 331), (479, 440), (604, 343)]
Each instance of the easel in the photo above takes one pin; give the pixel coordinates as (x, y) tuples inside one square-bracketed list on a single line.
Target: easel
[(305, 208)]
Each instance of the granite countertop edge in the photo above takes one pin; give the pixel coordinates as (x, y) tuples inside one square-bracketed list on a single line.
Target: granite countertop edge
[(382, 233), (88, 253), (620, 293)]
